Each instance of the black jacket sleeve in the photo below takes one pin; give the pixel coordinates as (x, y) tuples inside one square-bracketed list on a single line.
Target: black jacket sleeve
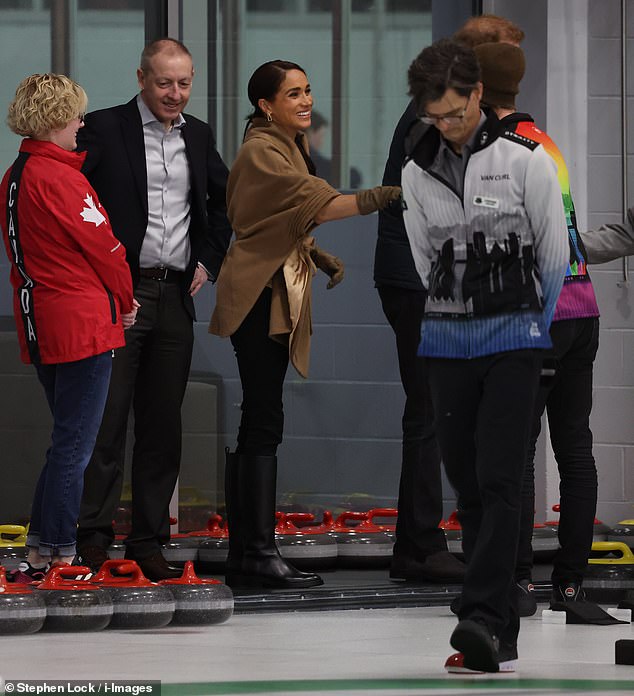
[(393, 261)]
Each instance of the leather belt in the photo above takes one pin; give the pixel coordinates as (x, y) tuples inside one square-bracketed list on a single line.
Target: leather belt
[(167, 275)]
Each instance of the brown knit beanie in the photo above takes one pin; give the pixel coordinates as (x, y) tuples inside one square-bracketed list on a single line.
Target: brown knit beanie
[(502, 66)]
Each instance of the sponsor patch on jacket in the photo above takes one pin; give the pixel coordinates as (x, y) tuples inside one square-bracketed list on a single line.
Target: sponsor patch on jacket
[(534, 331), (495, 177), (486, 201), (527, 142)]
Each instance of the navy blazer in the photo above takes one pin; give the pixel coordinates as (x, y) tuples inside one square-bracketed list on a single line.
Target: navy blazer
[(115, 166)]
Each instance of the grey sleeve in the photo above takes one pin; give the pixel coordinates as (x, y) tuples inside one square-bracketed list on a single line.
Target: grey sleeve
[(610, 242)]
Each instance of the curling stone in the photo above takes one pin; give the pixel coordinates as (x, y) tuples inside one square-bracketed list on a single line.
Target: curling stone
[(623, 531), (453, 534), (21, 610), (388, 528), (12, 546), (73, 605), (213, 522), (199, 602), (360, 548), (544, 542), (212, 552), (116, 550), (307, 548), (137, 602), (610, 578), (180, 549)]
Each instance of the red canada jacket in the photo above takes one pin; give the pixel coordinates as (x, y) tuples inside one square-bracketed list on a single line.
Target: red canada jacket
[(81, 281)]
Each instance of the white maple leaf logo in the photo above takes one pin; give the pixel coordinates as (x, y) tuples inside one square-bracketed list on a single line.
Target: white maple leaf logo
[(91, 213)]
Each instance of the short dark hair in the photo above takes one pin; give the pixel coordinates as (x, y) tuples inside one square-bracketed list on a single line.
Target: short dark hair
[(166, 44), (488, 28), (266, 81), (446, 64)]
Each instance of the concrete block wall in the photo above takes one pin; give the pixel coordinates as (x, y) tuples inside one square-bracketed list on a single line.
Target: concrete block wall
[(613, 409), (25, 432)]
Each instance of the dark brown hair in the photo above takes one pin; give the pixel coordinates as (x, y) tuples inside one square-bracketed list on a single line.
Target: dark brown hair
[(446, 64), (266, 81)]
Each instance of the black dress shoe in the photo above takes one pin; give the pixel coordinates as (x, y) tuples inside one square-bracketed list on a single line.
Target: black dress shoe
[(155, 567), (441, 566), (92, 556), (272, 571)]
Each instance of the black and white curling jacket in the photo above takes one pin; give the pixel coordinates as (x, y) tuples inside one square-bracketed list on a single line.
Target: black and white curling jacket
[(492, 259)]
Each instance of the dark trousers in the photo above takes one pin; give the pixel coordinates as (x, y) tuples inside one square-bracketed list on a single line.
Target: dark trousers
[(567, 398), (262, 364), (150, 373), (484, 408), (420, 488)]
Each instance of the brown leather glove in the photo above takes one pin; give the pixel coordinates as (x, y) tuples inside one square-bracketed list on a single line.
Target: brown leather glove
[(377, 198), (329, 264)]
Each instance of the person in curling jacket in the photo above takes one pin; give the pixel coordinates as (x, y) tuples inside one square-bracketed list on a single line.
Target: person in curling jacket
[(486, 226)]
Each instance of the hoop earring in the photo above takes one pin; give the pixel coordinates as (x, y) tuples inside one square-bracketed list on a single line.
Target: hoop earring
[(269, 116)]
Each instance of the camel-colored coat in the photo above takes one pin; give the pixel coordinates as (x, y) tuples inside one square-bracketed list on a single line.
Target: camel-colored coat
[(272, 201)]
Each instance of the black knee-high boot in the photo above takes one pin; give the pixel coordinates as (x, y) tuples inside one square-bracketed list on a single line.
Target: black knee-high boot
[(262, 564), (232, 506)]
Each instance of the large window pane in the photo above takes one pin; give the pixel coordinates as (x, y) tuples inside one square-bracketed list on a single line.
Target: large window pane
[(25, 48), (360, 101), (108, 45)]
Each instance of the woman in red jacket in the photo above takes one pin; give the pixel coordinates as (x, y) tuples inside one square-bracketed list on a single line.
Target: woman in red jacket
[(72, 299)]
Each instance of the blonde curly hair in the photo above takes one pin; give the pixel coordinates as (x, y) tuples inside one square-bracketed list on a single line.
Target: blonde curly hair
[(43, 103)]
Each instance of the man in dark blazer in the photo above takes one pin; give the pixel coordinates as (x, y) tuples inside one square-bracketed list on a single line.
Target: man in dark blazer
[(162, 182)]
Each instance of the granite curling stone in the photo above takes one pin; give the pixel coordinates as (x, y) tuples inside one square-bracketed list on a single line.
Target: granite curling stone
[(199, 602), (137, 602)]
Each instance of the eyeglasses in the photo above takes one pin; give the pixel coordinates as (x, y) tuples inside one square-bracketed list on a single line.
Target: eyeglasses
[(452, 120)]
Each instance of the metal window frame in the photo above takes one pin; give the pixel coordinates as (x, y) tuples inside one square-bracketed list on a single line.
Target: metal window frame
[(63, 20)]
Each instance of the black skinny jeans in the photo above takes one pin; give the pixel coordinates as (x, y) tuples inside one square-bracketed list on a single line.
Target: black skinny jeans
[(262, 364), (567, 398)]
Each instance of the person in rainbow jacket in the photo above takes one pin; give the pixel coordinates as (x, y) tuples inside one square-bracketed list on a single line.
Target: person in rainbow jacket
[(566, 386)]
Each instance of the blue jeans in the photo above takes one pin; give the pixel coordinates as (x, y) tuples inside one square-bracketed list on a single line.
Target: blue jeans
[(76, 394)]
